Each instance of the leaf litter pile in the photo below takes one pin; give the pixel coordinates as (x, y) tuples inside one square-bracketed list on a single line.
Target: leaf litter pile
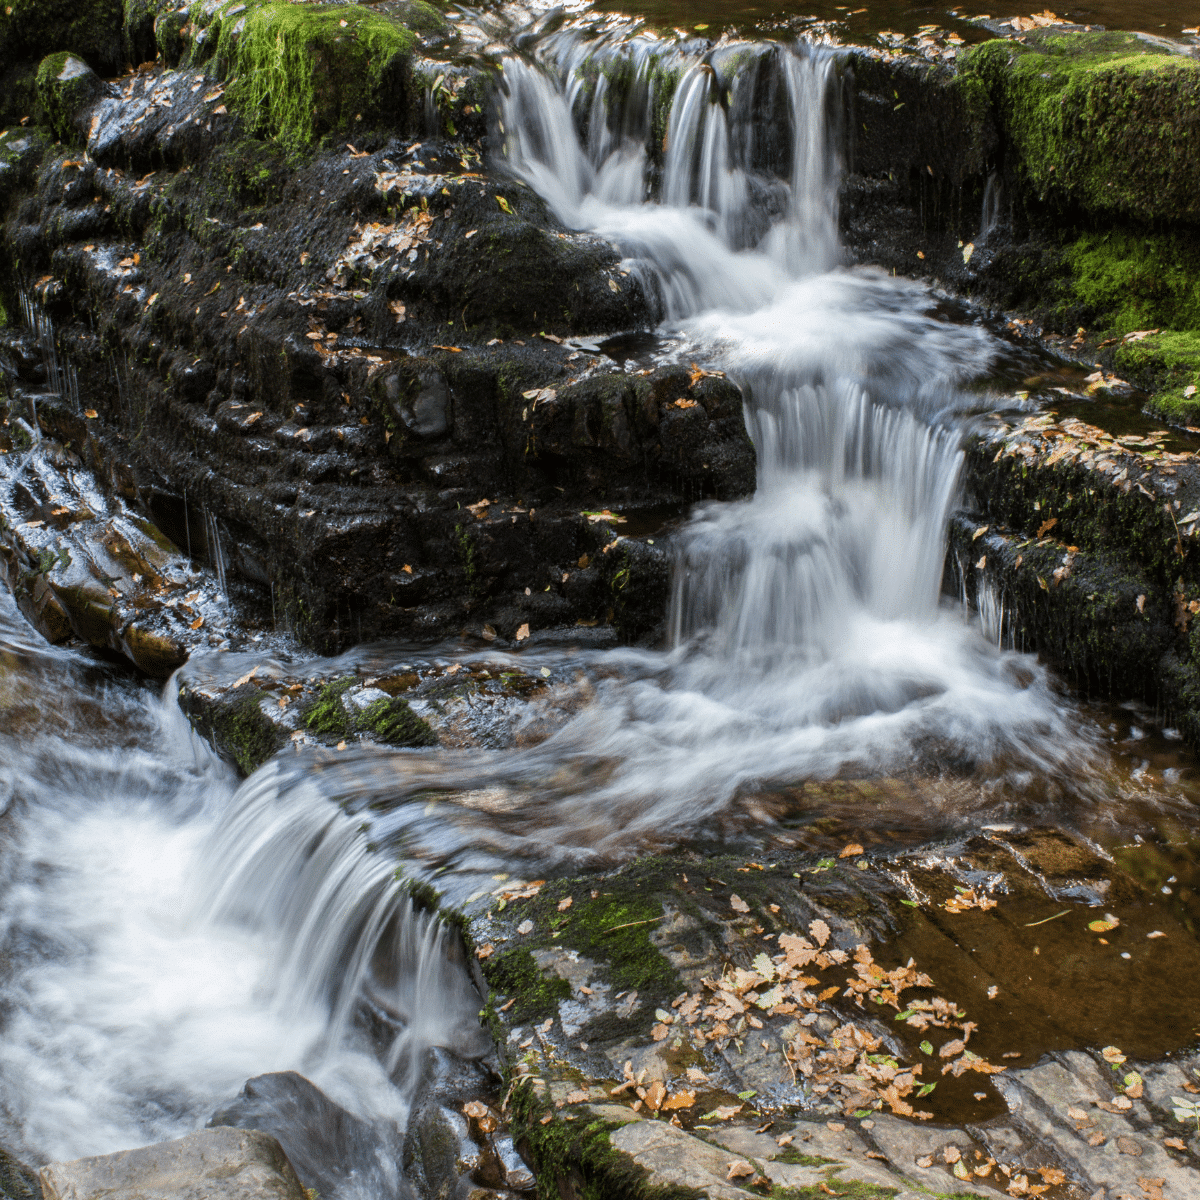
[(848, 1065)]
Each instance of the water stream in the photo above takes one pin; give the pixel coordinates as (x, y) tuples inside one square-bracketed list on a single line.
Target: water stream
[(168, 934)]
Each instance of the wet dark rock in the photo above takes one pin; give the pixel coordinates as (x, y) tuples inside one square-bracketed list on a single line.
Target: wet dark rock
[(438, 1151), (329, 1147), (294, 366), (1088, 543), (92, 29)]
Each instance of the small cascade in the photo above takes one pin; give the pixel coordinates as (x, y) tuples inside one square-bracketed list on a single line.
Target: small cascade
[(348, 931), (216, 552), (992, 212)]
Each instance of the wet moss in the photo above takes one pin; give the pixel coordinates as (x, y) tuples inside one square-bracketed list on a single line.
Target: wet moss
[(1104, 122), (327, 714), (1168, 364), (577, 1159), (516, 973), (65, 86), (302, 72), (235, 725), (392, 721)]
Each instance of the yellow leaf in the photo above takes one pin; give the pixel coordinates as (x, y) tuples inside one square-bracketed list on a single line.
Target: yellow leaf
[(198, 621), (504, 204), (853, 850), (680, 1100), (90, 413)]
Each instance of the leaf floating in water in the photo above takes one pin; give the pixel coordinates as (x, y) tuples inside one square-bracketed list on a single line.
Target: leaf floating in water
[(1109, 922), (680, 1100)]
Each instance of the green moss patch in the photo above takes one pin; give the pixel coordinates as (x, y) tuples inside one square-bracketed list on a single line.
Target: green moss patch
[(1168, 362), (304, 72), (66, 85), (388, 719), (392, 721), (1102, 122)]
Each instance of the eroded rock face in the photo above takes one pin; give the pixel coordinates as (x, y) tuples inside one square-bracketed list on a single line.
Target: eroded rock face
[(214, 1164), (364, 376)]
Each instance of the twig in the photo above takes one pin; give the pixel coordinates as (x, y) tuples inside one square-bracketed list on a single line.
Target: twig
[(649, 921), (1045, 919)]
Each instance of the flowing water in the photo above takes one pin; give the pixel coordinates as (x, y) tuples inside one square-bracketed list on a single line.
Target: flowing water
[(168, 934)]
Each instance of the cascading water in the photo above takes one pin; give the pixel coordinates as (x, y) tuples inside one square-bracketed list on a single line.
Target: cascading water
[(189, 935)]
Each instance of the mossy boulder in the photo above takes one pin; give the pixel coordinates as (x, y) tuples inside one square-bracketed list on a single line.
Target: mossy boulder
[(235, 725), (93, 29), (383, 718), (1104, 123), (68, 88), (302, 72)]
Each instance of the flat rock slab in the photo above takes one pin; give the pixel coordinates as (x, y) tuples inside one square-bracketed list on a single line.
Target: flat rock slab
[(214, 1164)]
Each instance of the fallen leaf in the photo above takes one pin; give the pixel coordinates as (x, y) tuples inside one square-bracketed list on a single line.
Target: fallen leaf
[(680, 1100), (655, 1094), (853, 850), (504, 204), (565, 903), (525, 926), (522, 632), (925, 1162), (485, 951), (198, 622), (1046, 526), (724, 1112), (1128, 1146), (577, 1097), (819, 931), (1156, 934), (489, 634), (1111, 1054), (90, 413), (738, 904), (1103, 927), (739, 1168), (1175, 1143)]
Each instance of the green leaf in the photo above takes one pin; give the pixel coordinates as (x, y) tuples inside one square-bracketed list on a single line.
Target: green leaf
[(926, 1088), (747, 1095), (910, 903), (862, 1112), (927, 1047), (504, 204), (903, 1016)]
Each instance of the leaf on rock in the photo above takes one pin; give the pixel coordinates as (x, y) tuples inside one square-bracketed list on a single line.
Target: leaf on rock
[(738, 904), (852, 850)]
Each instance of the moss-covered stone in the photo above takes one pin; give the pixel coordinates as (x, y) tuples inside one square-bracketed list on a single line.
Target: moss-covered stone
[(327, 714), (302, 72), (67, 87), (235, 725), (1167, 363), (1101, 122), (394, 722), (92, 29)]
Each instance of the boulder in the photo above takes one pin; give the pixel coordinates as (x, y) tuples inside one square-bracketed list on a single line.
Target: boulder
[(68, 90), (1106, 123), (213, 1164), (329, 1147)]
